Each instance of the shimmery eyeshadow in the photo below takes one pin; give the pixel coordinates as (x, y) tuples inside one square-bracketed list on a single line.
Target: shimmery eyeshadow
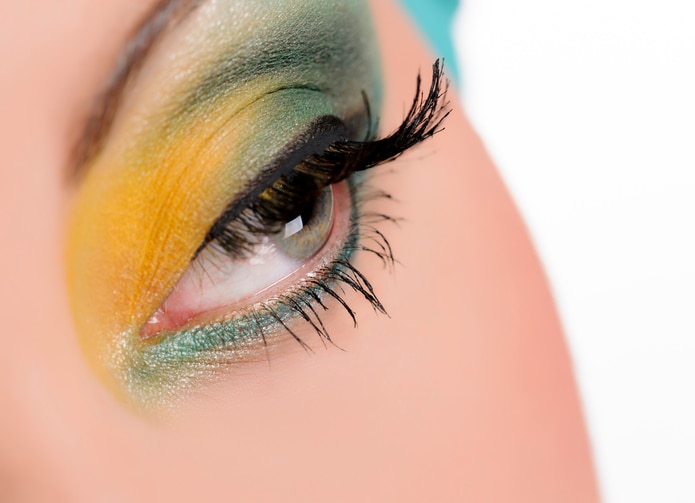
[(277, 48)]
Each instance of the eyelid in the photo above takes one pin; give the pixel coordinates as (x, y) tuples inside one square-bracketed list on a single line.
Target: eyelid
[(163, 367)]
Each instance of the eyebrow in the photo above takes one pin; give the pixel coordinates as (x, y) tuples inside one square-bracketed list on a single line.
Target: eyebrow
[(165, 15)]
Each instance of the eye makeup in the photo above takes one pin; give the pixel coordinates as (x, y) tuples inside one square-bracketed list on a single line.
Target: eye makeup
[(260, 120)]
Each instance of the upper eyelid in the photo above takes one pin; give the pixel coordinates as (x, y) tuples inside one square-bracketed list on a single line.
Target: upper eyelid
[(164, 16)]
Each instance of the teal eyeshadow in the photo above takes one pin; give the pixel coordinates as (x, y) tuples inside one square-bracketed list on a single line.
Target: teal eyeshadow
[(323, 50)]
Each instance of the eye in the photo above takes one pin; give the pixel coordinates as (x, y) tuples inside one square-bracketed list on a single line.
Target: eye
[(278, 255), (217, 283)]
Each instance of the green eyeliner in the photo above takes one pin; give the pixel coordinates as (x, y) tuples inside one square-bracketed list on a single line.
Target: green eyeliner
[(161, 370)]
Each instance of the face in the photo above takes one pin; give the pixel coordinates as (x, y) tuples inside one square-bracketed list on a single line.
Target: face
[(199, 202)]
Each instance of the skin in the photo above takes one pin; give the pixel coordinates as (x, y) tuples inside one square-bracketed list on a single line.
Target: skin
[(464, 394)]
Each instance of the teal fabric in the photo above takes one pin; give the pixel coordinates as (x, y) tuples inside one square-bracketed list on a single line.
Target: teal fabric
[(435, 19)]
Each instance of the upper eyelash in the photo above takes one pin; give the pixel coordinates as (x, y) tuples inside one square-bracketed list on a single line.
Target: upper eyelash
[(291, 193)]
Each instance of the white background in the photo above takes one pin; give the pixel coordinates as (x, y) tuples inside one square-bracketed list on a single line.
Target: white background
[(588, 108)]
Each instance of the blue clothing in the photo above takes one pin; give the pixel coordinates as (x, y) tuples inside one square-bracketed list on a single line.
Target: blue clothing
[(435, 19)]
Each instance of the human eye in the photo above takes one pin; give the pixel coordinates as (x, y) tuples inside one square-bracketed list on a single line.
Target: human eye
[(227, 203)]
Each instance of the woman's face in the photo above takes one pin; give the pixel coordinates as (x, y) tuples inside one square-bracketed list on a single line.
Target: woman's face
[(115, 386)]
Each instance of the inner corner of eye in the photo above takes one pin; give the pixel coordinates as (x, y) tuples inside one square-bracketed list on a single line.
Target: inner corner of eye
[(220, 281)]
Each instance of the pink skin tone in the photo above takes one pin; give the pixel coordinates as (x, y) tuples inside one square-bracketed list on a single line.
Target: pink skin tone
[(464, 394)]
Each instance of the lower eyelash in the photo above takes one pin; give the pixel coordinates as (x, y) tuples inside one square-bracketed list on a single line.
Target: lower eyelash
[(161, 371)]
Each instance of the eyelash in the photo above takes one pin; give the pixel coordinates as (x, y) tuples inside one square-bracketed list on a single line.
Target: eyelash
[(291, 193), (238, 230)]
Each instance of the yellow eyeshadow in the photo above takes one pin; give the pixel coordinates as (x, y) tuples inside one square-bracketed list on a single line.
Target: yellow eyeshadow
[(135, 229)]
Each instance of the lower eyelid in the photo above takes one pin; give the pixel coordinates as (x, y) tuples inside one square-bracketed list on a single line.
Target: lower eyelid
[(161, 368)]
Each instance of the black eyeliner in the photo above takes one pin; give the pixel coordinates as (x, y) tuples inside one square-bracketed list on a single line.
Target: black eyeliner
[(322, 155), (313, 140)]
